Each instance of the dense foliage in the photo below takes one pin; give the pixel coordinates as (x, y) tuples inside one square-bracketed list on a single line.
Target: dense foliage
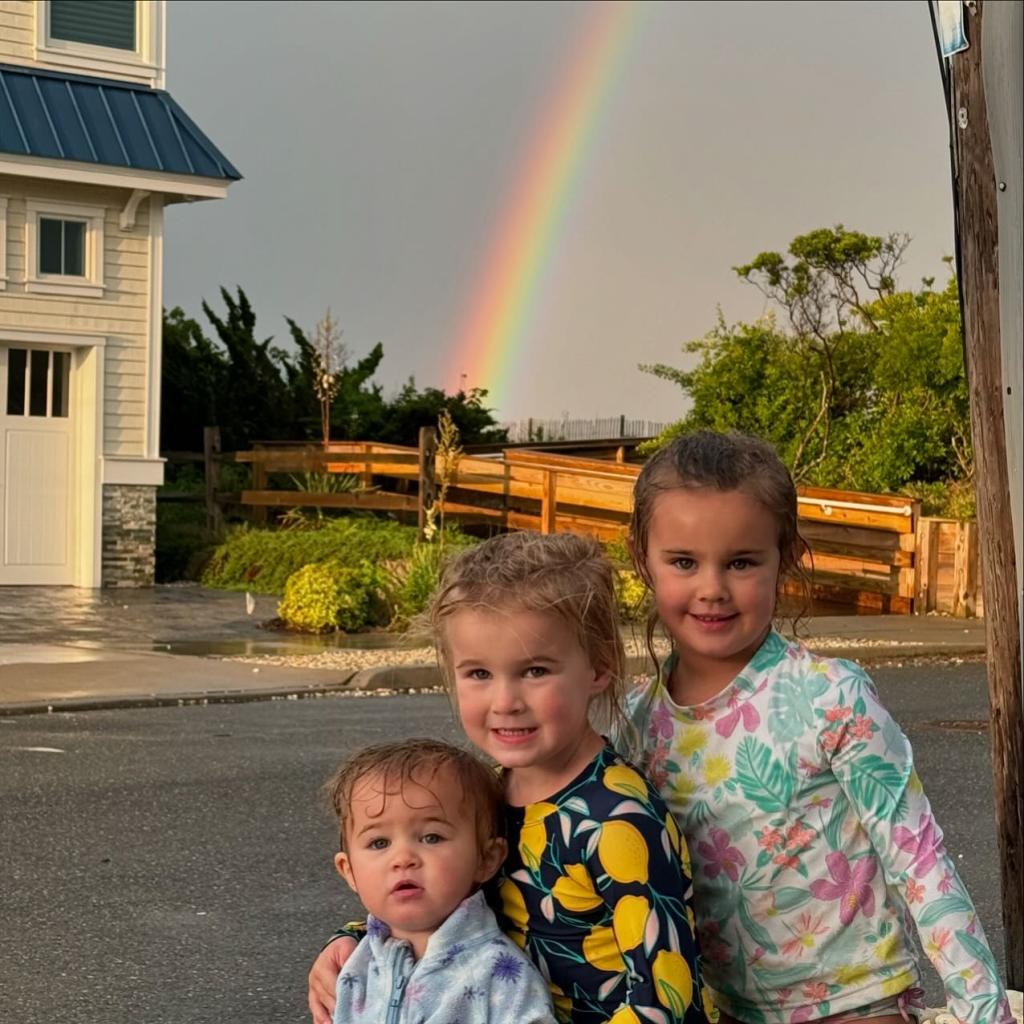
[(262, 560), (331, 595), (255, 390), (356, 573), (859, 385), (349, 573)]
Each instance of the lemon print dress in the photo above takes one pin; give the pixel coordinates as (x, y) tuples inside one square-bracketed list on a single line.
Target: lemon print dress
[(596, 890)]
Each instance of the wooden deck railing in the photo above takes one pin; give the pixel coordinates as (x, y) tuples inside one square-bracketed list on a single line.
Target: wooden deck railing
[(870, 551)]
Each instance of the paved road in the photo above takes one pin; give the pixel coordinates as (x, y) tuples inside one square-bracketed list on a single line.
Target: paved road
[(173, 865)]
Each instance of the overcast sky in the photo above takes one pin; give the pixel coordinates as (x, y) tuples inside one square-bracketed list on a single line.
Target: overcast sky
[(381, 142)]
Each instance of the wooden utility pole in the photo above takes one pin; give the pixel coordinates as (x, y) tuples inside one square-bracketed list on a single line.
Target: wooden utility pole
[(976, 191)]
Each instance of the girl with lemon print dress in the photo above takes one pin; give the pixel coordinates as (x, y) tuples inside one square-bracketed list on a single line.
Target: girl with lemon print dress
[(596, 886), (815, 849)]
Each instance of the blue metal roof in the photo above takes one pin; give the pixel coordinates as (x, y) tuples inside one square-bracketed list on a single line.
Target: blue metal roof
[(99, 121)]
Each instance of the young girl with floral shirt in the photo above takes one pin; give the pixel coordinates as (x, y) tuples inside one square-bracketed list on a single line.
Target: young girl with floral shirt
[(814, 846)]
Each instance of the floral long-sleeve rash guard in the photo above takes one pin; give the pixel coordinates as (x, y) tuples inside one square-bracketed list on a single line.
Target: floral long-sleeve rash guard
[(813, 844), (595, 890)]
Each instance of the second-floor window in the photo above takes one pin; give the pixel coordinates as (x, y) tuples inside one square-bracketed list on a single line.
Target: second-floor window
[(96, 22), (62, 247)]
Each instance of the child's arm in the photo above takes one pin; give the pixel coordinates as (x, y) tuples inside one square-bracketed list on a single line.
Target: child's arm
[(637, 864), (873, 764), (323, 976)]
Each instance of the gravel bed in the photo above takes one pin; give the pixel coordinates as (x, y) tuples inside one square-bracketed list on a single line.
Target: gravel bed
[(372, 658)]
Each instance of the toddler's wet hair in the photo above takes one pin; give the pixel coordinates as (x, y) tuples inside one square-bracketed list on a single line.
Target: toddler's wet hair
[(419, 761)]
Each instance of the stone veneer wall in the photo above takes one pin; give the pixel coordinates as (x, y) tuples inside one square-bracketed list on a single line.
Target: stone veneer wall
[(129, 535)]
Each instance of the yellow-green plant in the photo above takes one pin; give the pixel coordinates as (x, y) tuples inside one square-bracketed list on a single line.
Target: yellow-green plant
[(631, 595), (330, 595)]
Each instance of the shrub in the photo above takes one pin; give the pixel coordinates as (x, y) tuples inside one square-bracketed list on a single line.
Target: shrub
[(948, 499), (331, 595), (262, 560), (617, 552), (631, 595), (412, 581), (183, 543)]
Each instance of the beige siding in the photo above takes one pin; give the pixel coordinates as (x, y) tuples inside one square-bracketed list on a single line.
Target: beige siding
[(122, 315), (17, 31)]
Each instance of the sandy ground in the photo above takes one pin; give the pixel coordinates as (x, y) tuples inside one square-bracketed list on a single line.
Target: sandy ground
[(372, 658)]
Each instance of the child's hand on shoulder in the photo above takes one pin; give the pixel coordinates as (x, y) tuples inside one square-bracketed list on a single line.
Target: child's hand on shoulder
[(323, 978)]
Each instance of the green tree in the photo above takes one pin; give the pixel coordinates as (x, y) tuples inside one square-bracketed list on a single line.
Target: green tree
[(913, 425), (411, 409), (193, 375), (255, 390), (857, 384), (258, 402)]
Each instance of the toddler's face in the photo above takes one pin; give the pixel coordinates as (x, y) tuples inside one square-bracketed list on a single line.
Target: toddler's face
[(413, 854), (524, 686)]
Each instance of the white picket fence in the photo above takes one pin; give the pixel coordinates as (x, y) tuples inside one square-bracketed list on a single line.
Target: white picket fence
[(580, 430)]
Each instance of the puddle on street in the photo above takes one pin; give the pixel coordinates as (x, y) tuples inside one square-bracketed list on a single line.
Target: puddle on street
[(289, 643)]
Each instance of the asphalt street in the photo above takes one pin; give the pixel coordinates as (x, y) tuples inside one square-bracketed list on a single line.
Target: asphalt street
[(173, 865)]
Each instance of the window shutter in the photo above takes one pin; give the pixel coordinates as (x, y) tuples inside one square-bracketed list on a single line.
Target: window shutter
[(97, 22)]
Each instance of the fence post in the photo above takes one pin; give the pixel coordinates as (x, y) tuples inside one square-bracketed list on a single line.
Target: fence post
[(622, 424), (259, 483), (926, 570), (366, 477), (965, 571), (211, 472), (549, 501), (427, 475)]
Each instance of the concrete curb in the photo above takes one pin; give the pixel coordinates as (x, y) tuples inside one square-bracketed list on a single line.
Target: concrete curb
[(177, 699), (408, 678), (874, 655)]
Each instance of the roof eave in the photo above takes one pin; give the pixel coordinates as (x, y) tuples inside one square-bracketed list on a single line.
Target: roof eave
[(174, 187)]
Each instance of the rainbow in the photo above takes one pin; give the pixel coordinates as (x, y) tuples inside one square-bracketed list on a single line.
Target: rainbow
[(493, 329)]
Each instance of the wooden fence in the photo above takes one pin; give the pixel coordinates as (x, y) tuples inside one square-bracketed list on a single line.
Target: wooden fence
[(949, 568), (871, 552)]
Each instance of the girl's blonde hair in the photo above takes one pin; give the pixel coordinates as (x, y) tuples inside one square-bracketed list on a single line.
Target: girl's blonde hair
[(558, 574), (722, 462)]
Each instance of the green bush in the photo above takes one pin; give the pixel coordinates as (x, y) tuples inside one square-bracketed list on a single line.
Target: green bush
[(261, 560), (413, 581), (617, 552), (183, 543), (947, 499), (631, 595), (331, 595)]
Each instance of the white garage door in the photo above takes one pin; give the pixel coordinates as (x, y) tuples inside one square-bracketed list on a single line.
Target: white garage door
[(36, 463)]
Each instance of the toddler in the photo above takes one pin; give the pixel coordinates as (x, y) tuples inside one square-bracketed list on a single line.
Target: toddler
[(595, 888), (420, 832)]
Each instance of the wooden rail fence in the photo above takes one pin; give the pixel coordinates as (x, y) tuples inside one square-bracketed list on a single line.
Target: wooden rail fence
[(873, 552), (949, 572)]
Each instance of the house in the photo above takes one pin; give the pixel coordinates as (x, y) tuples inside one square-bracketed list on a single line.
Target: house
[(92, 150)]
